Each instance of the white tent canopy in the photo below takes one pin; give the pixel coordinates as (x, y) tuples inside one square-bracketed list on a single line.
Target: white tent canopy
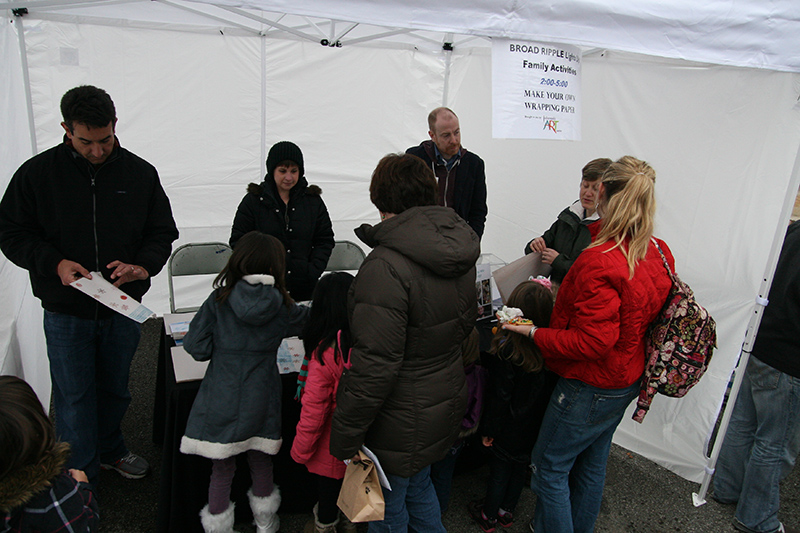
[(708, 94)]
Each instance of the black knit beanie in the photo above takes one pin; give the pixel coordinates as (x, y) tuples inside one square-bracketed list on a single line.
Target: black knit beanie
[(284, 151)]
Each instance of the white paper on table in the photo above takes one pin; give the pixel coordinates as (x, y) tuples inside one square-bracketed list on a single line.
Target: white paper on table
[(112, 297), (381, 474), (186, 368), (290, 355)]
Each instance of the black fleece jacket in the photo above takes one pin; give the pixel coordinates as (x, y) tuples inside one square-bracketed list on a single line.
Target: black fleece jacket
[(59, 206)]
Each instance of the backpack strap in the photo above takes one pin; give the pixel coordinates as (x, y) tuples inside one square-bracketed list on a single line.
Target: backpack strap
[(664, 259)]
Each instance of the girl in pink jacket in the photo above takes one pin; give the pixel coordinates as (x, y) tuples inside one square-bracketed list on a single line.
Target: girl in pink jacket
[(327, 344)]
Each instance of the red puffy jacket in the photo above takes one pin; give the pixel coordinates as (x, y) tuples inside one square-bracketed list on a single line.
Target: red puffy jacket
[(597, 329)]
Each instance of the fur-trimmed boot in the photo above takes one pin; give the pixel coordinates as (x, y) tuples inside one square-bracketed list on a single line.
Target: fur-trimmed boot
[(315, 526), (217, 523), (265, 511)]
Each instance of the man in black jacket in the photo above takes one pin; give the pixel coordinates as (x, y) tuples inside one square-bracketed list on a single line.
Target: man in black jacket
[(461, 174), (88, 205), (763, 438)]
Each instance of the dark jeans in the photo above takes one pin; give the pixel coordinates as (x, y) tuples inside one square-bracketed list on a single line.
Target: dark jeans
[(442, 474), (504, 487), (327, 510), (90, 363)]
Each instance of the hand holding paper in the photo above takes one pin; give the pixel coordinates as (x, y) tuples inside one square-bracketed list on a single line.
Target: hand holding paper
[(109, 295), (70, 271), (124, 272)]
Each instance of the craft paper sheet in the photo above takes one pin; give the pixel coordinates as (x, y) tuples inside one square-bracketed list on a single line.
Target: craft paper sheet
[(112, 297)]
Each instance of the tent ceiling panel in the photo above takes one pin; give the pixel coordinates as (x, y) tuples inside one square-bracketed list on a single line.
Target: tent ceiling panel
[(748, 33), (181, 15)]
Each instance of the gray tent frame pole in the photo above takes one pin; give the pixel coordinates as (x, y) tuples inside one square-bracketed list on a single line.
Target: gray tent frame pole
[(23, 52), (699, 497), (448, 56), (263, 105)]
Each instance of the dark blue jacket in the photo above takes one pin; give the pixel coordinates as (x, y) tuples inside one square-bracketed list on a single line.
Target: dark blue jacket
[(777, 343), (470, 185)]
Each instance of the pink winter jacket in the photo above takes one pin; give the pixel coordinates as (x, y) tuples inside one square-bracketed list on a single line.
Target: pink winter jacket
[(312, 443)]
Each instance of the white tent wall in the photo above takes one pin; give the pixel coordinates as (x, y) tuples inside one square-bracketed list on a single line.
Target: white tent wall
[(22, 351), (203, 108), (720, 188)]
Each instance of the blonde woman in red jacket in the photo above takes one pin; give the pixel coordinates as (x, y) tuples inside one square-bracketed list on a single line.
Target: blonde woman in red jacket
[(595, 343)]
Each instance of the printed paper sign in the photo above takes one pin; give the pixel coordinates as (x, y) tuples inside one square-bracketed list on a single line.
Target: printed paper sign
[(112, 297), (536, 90)]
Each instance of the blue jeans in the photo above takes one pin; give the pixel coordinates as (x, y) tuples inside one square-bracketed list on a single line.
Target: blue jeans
[(89, 366), (411, 502), (570, 456), (760, 447), (442, 474)]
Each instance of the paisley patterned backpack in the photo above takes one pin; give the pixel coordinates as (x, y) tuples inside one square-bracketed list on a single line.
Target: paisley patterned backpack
[(678, 345)]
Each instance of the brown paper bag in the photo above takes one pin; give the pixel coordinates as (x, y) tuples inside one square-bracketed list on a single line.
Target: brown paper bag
[(361, 497)]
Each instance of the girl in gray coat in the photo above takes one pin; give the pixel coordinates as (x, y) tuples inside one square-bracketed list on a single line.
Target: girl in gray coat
[(238, 408)]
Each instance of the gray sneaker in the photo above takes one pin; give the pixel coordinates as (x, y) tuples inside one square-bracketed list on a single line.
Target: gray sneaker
[(130, 466)]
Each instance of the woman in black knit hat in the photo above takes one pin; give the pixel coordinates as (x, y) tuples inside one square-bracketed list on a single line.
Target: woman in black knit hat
[(285, 206)]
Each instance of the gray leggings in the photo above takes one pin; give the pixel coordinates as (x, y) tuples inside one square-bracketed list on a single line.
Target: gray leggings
[(222, 471)]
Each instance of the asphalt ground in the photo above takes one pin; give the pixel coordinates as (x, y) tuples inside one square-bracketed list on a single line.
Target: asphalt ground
[(639, 496)]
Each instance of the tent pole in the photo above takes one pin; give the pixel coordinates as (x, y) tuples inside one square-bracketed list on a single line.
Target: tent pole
[(699, 497), (263, 105), (447, 48), (23, 51)]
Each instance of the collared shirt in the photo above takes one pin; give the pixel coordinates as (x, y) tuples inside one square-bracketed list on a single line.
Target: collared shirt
[(448, 163)]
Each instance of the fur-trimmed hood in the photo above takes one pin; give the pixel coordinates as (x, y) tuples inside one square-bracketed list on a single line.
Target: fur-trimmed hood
[(269, 189), (20, 487)]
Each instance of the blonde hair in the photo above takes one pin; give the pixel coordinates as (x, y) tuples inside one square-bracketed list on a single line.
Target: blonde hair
[(629, 208)]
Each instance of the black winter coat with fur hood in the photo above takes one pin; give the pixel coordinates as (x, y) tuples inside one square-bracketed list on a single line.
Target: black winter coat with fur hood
[(303, 226)]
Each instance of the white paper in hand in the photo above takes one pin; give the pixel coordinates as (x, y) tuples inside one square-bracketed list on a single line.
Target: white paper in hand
[(381, 475), (112, 297)]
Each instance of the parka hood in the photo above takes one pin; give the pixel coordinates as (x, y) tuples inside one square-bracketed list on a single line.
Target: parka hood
[(432, 236), (255, 300), (18, 488), (268, 189)]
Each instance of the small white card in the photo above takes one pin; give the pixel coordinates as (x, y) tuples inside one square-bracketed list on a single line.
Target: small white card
[(290, 355), (112, 297)]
